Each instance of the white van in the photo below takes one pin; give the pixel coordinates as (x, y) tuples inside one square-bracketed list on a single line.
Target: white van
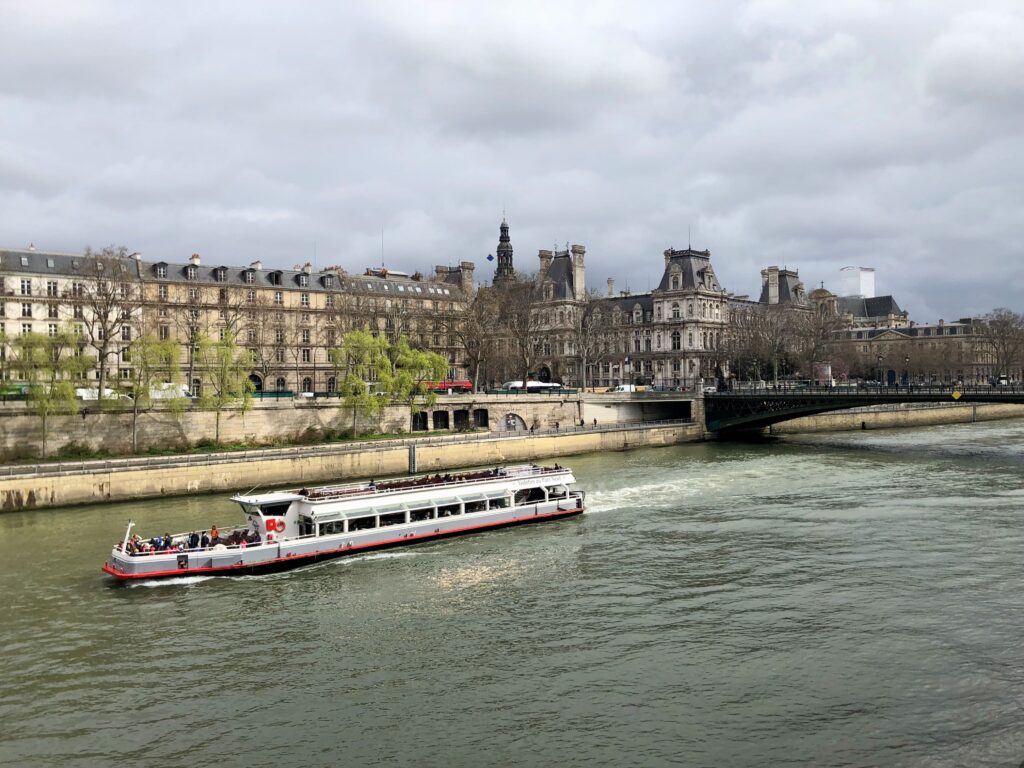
[(624, 388)]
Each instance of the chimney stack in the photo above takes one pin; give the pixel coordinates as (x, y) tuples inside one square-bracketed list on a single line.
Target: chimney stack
[(611, 287), (257, 265), (194, 259)]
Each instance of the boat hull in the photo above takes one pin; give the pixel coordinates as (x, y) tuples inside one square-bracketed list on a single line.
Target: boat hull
[(296, 553)]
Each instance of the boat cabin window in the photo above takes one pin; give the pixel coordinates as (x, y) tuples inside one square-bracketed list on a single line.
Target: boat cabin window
[(529, 495), (417, 515), (395, 518), (362, 523), (279, 509), (499, 502), (557, 492), (335, 526), (306, 527), (476, 506), (448, 510)]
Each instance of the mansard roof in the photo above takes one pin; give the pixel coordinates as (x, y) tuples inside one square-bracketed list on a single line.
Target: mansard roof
[(55, 263), (876, 306), (788, 283), (560, 273), (694, 268), (629, 303)]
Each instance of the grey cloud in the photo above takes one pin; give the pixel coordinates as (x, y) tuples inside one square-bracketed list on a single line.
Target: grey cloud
[(814, 135)]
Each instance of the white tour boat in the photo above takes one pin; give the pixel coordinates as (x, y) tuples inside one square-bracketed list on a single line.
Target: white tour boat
[(286, 529)]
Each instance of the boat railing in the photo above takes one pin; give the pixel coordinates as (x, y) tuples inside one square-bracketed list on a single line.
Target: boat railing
[(332, 493)]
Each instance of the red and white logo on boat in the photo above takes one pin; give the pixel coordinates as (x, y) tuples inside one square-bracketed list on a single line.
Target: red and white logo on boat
[(275, 525)]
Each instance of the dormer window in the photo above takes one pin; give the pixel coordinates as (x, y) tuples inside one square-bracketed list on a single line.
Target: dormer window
[(303, 280), (675, 282), (161, 270), (250, 276), (328, 281), (220, 274), (275, 278), (191, 273)]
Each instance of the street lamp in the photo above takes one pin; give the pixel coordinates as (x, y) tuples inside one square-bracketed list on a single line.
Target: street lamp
[(906, 368)]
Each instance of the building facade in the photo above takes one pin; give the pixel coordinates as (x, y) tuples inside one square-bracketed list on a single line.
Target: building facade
[(288, 319)]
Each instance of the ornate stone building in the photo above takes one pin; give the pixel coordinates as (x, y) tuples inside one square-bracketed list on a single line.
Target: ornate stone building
[(669, 336)]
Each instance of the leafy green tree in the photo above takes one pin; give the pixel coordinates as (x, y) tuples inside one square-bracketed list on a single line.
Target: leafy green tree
[(362, 358), (412, 371), (225, 368), (51, 366), (154, 368)]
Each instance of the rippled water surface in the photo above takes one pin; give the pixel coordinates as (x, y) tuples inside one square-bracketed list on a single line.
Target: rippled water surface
[(846, 600)]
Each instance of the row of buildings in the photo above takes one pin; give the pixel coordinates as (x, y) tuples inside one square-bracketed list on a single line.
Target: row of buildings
[(680, 333)]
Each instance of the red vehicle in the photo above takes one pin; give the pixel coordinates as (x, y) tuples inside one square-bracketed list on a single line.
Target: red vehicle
[(453, 386)]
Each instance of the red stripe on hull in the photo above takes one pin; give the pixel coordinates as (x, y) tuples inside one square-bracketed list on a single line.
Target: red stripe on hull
[(295, 561)]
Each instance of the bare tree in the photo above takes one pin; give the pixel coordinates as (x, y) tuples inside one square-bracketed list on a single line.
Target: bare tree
[(110, 297), (1001, 334), (589, 333), (474, 330), (519, 323)]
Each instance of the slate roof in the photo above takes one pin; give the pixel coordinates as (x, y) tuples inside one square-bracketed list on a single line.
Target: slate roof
[(788, 283), (560, 273), (916, 331), (52, 263), (877, 306), (70, 264), (693, 266)]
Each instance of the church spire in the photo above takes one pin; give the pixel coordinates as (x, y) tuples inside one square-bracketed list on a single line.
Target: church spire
[(504, 271)]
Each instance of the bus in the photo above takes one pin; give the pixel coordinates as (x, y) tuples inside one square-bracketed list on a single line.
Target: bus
[(533, 386), (451, 386)]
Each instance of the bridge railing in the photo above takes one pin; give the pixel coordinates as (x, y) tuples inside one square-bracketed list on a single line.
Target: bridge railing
[(866, 389)]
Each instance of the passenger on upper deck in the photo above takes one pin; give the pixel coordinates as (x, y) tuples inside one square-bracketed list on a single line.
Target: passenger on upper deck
[(214, 534)]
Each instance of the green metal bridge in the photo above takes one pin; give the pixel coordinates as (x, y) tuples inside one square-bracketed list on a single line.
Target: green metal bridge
[(738, 410)]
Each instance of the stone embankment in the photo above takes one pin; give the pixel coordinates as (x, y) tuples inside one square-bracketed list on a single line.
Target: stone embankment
[(898, 416), (92, 482)]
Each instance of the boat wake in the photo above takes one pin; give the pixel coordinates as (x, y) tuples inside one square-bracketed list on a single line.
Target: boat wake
[(175, 581), (651, 494)]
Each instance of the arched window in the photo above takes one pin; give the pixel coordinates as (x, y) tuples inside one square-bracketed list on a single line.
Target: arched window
[(689, 309), (675, 310), (561, 317), (280, 384), (307, 384), (332, 384), (675, 282), (676, 337)]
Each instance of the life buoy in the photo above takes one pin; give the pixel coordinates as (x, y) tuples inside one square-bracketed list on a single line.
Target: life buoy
[(280, 526)]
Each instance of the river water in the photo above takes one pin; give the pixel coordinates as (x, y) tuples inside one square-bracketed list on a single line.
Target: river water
[(843, 600)]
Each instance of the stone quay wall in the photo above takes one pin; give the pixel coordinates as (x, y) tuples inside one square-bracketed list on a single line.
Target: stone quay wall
[(898, 416), (318, 464), (267, 422)]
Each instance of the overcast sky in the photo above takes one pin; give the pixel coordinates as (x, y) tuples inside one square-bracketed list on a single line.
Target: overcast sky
[(813, 135)]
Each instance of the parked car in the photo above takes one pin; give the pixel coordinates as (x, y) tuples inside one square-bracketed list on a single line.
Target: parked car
[(709, 389)]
